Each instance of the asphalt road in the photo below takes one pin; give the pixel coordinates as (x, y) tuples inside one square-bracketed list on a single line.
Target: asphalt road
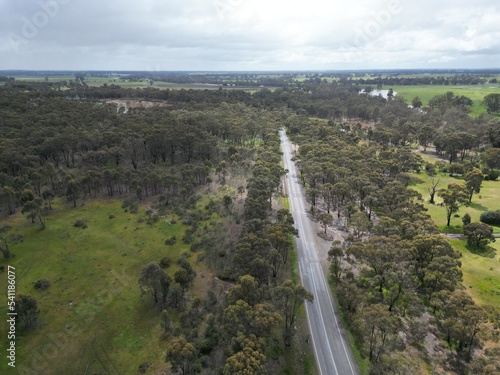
[(333, 354)]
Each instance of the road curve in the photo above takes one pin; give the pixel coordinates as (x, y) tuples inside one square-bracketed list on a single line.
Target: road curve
[(332, 352)]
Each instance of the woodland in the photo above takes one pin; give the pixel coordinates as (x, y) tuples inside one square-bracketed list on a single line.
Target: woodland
[(211, 161)]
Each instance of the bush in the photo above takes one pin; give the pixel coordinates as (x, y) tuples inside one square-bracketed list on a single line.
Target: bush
[(466, 219), (491, 217), (41, 284), (442, 166), (492, 175), (456, 168), (430, 169), (153, 219), (111, 216), (171, 241), (165, 262), (143, 367), (80, 224), (187, 266), (196, 246)]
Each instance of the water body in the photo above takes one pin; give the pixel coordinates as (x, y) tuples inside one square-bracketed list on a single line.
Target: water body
[(380, 92)]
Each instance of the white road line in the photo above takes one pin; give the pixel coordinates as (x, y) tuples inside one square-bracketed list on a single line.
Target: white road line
[(340, 333), (310, 328), (309, 256), (324, 325)]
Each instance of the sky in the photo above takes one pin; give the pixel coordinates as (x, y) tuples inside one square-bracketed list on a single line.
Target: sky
[(248, 35)]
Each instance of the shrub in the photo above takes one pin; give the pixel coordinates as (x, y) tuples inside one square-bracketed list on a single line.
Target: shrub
[(165, 262), (491, 217), (456, 168), (153, 218), (466, 219), (196, 246), (171, 241), (143, 367), (492, 175), (430, 169), (111, 216), (41, 284), (80, 224)]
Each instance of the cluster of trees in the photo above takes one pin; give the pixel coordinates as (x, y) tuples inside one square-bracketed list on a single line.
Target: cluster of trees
[(259, 311), (64, 148), (395, 276), (397, 279), (260, 256), (455, 79), (492, 102)]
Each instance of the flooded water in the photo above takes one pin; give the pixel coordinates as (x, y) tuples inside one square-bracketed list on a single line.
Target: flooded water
[(380, 92)]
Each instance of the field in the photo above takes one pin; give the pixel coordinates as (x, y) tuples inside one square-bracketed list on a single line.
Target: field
[(487, 199), (481, 270), (115, 80), (427, 92), (93, 308), (481, 273)]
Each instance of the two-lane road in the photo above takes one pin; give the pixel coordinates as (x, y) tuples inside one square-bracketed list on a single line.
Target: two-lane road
[(333, 354)]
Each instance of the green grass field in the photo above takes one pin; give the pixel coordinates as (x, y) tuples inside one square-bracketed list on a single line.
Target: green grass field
[(427, 92), (481, 272), (94, 300), (487, 199), (115, 80)]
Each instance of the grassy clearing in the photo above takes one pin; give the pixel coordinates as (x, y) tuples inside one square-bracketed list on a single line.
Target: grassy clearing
[(427, 92), (481, 272), (487, 199), (94, 298)]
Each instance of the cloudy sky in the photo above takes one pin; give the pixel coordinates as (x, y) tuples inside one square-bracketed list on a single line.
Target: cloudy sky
[(248, 34)]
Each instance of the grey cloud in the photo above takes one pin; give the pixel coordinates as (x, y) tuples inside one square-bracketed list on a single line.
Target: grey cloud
[(262, 34)]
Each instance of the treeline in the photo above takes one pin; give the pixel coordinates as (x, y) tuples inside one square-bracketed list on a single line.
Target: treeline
[(455, 79), (397, 280)]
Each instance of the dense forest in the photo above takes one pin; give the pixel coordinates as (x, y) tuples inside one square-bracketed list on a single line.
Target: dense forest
[(396, 278)]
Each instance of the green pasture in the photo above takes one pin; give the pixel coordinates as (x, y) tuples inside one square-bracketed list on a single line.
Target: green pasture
[(93, 307), (481, 269), (481, 272), (115, 80), (487, 199), (427, 92)]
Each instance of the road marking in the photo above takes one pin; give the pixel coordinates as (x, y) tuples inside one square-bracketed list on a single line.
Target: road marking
[(338, 329), (296, 201), (323, 321), (310, 328)]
